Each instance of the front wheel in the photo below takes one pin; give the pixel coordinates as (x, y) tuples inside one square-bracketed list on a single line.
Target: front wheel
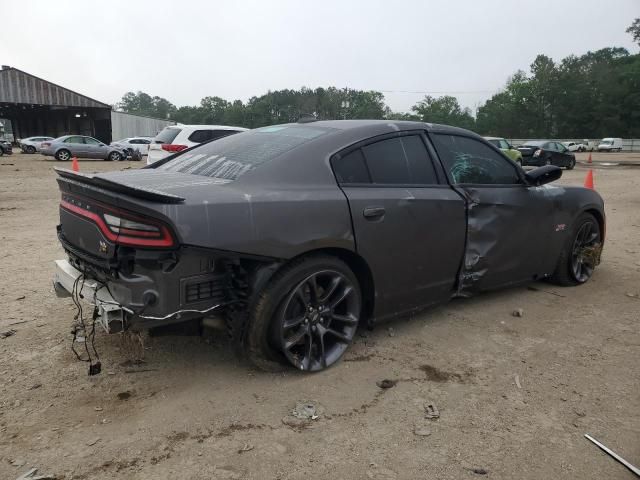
[(31, 149), (307, 315), (114, 157), (581, 252), (572, 163)]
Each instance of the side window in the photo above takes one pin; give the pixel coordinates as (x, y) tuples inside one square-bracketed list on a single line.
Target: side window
[(200, 136), (470, 161), (402, 160), (550, 146), (144, 141), (504, 145), (351, 168), (74, 140), (91, 141)]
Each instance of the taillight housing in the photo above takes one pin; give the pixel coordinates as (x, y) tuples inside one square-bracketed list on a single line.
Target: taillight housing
[(120, 226), (45, 144), (167, 147), (538, 152)]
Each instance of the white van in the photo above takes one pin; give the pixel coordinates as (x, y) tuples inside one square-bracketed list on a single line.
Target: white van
[(610, 145)]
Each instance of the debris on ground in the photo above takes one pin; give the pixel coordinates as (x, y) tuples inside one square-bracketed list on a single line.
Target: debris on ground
[(518, 312), (22, 297), (307, 411), (479, 471), (91, 443), (613, 454), (35, 386), (97, 409), (391, 332), (8, 333), (386, 383), (633, 295), (126, 395), (422, 431), (517, 380), (246, 448), (431, 412), (31, 475)]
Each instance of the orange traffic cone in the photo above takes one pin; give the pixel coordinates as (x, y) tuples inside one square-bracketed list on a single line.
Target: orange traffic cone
[(588, 181), (589, 160), (74, 164)]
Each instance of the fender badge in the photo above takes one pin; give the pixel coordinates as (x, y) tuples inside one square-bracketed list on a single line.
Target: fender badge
[(560, 227), (102, 247)]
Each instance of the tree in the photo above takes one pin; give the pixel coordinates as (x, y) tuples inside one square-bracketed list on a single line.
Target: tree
[(142, 103), (634, 30), (444, 110)]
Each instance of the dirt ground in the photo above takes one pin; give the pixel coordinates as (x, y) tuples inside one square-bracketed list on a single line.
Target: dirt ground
[(515, 394)]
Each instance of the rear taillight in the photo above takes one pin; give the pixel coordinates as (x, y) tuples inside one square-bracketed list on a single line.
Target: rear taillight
[(173, 148), (45, 144), (119, 226), (538, 152)]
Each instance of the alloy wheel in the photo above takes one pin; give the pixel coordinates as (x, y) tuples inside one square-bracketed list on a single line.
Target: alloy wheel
[(583, 253), (64, 155), (318, 320)]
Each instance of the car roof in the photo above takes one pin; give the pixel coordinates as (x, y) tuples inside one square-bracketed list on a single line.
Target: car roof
[(493, 138), (208, 127)]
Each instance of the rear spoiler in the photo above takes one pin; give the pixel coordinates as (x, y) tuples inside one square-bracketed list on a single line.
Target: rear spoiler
[(132, 190)]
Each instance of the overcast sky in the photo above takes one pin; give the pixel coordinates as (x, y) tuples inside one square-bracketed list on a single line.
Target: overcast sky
[(184, 50)]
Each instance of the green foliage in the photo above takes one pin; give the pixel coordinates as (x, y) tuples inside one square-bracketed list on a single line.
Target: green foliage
[(634, 30), (594, 95), (144, 104), (445, 110)]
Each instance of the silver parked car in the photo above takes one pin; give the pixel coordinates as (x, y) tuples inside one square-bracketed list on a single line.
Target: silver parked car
[(68, 146), (32, 144)]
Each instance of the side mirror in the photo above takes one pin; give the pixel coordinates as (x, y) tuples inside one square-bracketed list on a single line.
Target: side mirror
[(542, 175), (102, 145)]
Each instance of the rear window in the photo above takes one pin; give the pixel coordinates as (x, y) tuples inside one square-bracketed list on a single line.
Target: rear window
[(230, 157), (167, 135), (200, 136)]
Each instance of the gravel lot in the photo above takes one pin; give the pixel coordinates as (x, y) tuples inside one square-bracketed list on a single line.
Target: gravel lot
[(515, 394)]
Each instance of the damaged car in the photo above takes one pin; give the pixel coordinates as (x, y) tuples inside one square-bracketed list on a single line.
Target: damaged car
[(298, 234)]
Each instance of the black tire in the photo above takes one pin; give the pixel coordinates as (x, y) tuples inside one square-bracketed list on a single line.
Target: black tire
[(30, 149), (63, 155), (262, 342), (565, 273), (572, 164), (114, 157)]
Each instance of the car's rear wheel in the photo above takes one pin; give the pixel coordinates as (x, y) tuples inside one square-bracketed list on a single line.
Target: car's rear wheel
[(307, 315), (581, 252), (30, 149), (63, 155), (572, 163), (114, 157)]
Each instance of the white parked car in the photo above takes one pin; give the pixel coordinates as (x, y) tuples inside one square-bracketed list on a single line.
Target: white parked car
[(573, 146), (32, 144), (610, 144), (140, 144), (176, 138)]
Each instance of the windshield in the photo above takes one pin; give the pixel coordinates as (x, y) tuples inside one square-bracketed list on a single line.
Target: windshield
[(230, 157), (607, 142), (495, 143)]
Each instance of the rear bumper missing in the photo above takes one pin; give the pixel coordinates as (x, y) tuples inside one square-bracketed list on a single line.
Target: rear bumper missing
[(111, 315)]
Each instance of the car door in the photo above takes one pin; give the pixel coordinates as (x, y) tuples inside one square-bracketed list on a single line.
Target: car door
[(509, 222), (563, 155), (76, 146), (409, 225), (95, 148)]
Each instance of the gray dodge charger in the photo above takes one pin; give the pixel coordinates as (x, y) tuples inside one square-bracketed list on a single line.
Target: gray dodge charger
[(297, 234)]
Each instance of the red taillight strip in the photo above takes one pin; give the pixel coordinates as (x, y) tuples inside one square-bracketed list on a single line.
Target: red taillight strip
[(165, 241)]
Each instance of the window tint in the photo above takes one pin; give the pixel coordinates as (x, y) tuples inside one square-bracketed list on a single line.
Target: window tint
[(470, 161), (167, 135), (351, 168), (402, 160), (74, 140), (200, 136)]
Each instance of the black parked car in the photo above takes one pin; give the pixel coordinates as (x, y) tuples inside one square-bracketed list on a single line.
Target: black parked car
[(297, 234), (5, 148), (547, 152)]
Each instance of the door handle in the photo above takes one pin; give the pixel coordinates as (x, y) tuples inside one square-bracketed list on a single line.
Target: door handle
[(373, 212)]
